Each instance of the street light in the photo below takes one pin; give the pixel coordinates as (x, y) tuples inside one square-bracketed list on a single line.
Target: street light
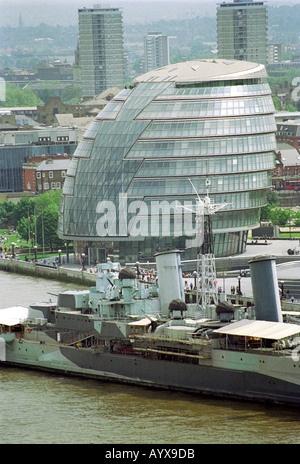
[(13, 250), (59, 260), (281, 282), (35, 253), (195, 279), (83, 261), (67, 250), (239, 285)]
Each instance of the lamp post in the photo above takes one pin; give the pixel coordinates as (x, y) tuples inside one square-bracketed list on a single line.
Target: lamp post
[(83, 261), (239, 285), (67, 251), (35, 253), (13, 250), (281, 282), (59, 258), (195, 279)]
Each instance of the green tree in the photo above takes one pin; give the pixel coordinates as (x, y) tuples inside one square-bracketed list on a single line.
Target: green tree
[(272, 201), (297, 218), (6, 212), (23, 209), (281, 216), (15, 96), (71, 95), (26, 228), (47, 209)]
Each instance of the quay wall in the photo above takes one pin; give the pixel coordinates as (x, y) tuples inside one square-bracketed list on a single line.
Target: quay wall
[(47, 272), (243, 300), (85, 279), (235, 263)]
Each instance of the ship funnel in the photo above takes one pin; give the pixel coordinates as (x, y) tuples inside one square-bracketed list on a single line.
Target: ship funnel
[(265, 288), (170, 283)]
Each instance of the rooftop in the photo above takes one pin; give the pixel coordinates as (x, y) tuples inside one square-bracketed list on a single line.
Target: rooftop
[(54, 165), (204, 70)]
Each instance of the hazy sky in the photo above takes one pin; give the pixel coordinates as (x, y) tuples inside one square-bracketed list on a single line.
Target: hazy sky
[(65, 12)]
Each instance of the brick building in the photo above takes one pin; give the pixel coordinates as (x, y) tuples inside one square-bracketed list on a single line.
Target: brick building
[(287, 166), (46, 172), (289, 132), (46, 113)]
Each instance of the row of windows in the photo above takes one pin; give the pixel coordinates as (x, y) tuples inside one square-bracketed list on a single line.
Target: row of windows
[(228, 164), (84, 148), (210, 127), (203, 147), (45, 186), (225, 183), (206, 92), (50, 174), (229, 221), (233, 200), (111, 110), (208, 108), (151, 225)]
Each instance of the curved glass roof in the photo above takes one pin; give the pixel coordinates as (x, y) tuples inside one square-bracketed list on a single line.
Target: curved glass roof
[(149, 140)]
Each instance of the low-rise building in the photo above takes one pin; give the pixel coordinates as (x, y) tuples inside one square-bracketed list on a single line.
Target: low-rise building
[(286, 174), (41, 174), (289, 132)]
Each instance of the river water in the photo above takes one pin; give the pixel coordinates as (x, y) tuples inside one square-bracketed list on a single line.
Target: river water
[(39, 408)]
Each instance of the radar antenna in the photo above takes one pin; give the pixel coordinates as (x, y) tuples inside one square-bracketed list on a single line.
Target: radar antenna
[(206, 288)]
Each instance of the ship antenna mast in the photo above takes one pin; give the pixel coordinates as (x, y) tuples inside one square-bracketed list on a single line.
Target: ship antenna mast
[(206, 288)]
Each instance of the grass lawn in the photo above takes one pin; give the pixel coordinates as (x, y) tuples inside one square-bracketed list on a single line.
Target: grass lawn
[(7, 239), (11, 238)]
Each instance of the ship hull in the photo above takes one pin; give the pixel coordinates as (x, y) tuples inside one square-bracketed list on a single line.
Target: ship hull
[(204, 379)]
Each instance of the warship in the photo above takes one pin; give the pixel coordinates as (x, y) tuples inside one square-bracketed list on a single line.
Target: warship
[(146, 333)]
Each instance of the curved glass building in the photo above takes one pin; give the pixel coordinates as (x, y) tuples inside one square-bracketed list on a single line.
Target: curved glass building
[(184, 128)]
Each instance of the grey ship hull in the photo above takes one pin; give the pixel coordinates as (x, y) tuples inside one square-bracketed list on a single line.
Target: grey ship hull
[(163, 374)]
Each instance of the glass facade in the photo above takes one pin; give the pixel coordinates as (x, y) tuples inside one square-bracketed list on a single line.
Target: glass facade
[(159, 142)]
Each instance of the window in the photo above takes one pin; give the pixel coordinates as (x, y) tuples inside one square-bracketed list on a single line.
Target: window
[(50, 174), (46, 186), (38, 175), (58, 185), (63, 173), (53, 185)]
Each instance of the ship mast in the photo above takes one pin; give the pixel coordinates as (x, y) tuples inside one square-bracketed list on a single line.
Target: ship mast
[(206, 288)]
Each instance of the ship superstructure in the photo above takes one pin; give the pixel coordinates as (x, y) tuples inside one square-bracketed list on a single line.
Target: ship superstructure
[(143, 333)]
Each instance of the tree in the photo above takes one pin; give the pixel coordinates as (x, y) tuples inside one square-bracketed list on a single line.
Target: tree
[(38, 216), (47, 209), (297, 218), (19, 97), (46, 227), (281, 216), (26, 228), (272, 201), (23, 209), (6, 212)]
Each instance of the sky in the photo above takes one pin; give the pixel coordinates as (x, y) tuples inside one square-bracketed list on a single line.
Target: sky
[(35, 12)]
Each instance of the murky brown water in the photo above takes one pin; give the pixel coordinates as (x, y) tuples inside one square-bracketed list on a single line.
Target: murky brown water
[(43, 408)]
